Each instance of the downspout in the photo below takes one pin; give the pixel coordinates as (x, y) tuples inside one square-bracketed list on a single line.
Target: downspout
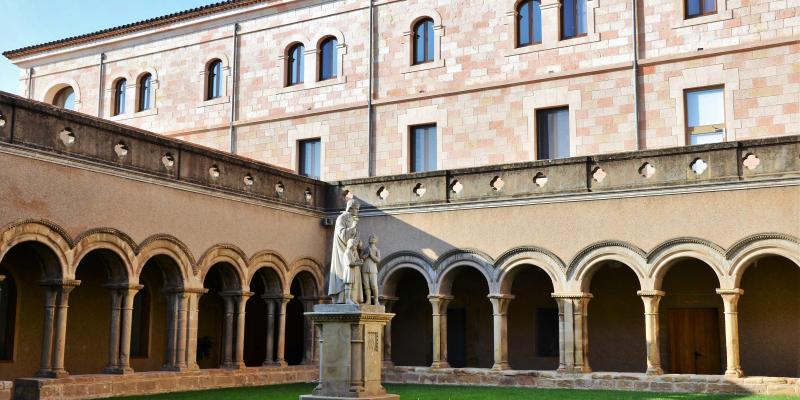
[(234, 88), (100, 85), (30, 83), (639, 138), (370, 110)]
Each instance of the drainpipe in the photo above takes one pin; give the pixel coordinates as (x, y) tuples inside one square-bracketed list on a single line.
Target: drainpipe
[(30, 83), (370, 110), (234, 88), (100, 85), (639, 138)]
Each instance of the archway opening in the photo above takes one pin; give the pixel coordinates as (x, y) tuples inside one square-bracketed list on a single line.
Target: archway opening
[(101, 272), (213, 348), (24, 266), (532, 320), (469, 321), (691, 319), (149, 332), (616, 320), (299, 334), (769, 318), (412, 325), (261, 316)]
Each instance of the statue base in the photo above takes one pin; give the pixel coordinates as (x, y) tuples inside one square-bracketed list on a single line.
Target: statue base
[(351, 352)]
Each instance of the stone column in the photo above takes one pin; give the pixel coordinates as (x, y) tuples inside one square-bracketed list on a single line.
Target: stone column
[(48, 327), (227, 333), (60, 337), (270, 300), (170, 358), (388, 302), (241, 308), (193, 313), (114, 329), (573, 332), (282, 329), (309, 330), (128, 295), (182, 300), (439, 313), (730, 298), (651, 299), (500, 304)]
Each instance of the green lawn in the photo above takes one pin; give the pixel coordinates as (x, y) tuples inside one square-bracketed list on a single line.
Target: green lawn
[(425, 392)]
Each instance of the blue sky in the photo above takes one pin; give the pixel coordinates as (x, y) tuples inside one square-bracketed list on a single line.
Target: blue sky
[(28, 22)]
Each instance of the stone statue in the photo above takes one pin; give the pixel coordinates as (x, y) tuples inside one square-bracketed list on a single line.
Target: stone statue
[(344, 230), (369, 271), (353, 292)]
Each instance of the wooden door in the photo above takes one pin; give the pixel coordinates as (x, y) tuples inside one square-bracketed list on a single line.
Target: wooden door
[(694, 346)]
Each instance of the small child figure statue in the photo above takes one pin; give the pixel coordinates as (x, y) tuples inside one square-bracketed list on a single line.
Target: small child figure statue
[(353, 291), (369, 271)]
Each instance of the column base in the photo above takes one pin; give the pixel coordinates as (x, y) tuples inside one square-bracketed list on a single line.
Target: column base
[(654, 371), (55, 374), (440, 365), (387, 364), (501, 366), (237, 365), (734, 373), (118, 370), (574, 370), (175, 368)]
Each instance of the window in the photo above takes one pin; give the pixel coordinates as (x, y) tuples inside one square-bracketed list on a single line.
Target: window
[(119, 96), (705, 115), (423, 45), (145, 92), (65, 98), (327, 59), (699, 8), (140, 324), (423, 148), (529, 22), (309, 158), (547, 332), (295, 64), (8, 316), (573, 18), (214, 80), (552, 139)]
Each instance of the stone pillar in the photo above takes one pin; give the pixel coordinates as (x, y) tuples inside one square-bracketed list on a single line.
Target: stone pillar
[(388, 302), (270, 300), (48, 327), (128, 295), (651, 299), (241, 308), (551, 21), (227, 333), (730, 298), (280, 352), (114, 330), (193, 314), (439, 313), (170, 360), (309, 330), (573, 332), (181, 300), (500, 304), (60, 337)]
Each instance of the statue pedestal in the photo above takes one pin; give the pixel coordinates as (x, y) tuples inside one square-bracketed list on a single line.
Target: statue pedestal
[(351, 352)]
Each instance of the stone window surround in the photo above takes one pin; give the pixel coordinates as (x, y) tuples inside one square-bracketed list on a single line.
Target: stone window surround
[(700, 77), (551, 98), (551, 28), (426, 115), (132, 96), (49, 95), (680, 21), (311, 62), (311, 130), (226, 81), (438, 34)]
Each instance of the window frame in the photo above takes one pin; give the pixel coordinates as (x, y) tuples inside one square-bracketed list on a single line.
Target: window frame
[(412, 151), (214, 79), (562, 20), (531, 24), (333, 58), (290, 69), (145, 92), (301, 153), (120, 94), (702, 13), (428, 51), (686, 128), (538, 131)]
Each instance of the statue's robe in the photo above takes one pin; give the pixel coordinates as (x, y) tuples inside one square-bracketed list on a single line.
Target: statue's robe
[(340, 268)]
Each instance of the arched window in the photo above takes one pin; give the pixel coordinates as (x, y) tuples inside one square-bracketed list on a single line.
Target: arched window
[(119, 96), (145, 92), (327, 59), (8, 315), (295, 64), (65, 98), (529, 22), (423, 41), (214, 80)]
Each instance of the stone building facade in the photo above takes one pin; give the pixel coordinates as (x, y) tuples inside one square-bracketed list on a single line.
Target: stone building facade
[(514, 251)]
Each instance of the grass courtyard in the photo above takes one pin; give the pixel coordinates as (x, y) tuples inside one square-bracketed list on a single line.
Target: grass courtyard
[(425, 392)]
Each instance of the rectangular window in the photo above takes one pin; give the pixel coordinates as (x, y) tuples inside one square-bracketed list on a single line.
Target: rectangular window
[(423, 148), (309, 158), (547, 332), (705, 115), (699, 8), (552, 133), (573, 18)]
